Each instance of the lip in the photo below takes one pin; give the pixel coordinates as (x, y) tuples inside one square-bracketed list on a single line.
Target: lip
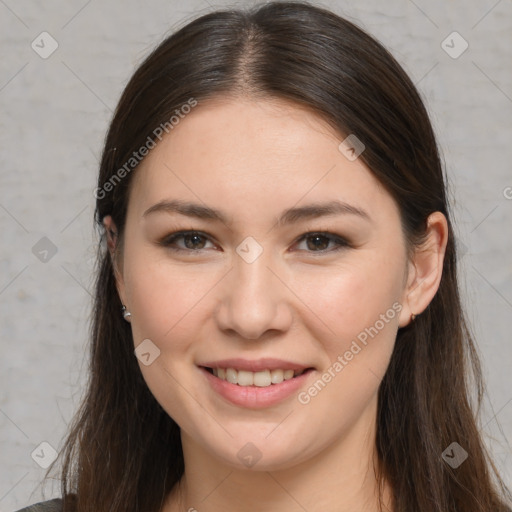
[(254, 397), (266, 363)]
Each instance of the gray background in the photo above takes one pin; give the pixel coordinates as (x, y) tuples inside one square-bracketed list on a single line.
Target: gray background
[(55, 113)]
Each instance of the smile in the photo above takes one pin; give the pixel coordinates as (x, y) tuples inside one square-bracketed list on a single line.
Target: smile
[(258, 389), (262, 378)]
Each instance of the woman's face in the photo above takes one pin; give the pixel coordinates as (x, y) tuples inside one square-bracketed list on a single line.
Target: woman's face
[(258, 286)]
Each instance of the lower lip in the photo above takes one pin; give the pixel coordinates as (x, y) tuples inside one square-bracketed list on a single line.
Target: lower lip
[(255, 397)]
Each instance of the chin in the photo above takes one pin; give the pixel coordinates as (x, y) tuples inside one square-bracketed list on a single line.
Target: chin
[(260, 455)]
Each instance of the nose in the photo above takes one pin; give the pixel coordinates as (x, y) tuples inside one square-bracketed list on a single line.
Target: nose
[(254, 299)]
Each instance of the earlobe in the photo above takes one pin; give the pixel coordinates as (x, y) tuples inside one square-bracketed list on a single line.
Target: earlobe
[(426, 269)]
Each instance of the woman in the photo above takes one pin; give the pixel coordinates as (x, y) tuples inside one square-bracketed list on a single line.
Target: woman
[(277, 321)]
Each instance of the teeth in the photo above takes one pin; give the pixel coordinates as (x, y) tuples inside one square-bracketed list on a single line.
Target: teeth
[(232, 376), (276, 376), (245, 378), (261, 379)]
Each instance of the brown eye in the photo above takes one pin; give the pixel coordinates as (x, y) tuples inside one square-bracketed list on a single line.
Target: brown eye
[(193, 241), (319, 242)]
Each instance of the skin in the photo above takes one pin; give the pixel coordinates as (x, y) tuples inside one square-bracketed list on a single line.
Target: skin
[(252, 160)]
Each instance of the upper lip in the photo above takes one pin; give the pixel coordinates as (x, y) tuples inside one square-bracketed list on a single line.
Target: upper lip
[(257, 365)]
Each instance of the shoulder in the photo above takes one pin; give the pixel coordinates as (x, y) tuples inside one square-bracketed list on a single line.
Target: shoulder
[(44, 506)]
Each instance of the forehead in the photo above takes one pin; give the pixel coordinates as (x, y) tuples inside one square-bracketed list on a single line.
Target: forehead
[(246, 155)]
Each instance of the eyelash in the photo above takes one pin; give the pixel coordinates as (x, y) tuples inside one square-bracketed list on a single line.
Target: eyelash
[(171, 239)]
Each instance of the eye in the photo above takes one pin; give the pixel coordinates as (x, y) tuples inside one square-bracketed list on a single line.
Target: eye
[(319, 242), (194, 241)]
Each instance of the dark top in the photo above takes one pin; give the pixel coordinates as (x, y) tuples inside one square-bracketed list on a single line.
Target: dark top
[(45, 506)]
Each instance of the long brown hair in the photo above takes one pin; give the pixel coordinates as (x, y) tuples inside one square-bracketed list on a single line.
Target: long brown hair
[(123, 451)]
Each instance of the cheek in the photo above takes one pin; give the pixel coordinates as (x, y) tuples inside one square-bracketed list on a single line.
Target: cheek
[(357, 312), (352, 297), (164, 299), (361, 309)]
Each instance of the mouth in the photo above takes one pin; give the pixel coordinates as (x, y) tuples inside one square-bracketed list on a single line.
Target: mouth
[(260, 379), (256, 390), (255, 383)]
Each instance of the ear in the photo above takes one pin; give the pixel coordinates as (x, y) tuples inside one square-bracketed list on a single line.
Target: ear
[(425, 269), (112, 244)]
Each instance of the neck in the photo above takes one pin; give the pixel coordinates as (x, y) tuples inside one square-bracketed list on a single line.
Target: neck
[(341, 477)]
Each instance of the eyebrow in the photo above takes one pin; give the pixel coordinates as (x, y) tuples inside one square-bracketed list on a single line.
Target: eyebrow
[(289, 216)]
